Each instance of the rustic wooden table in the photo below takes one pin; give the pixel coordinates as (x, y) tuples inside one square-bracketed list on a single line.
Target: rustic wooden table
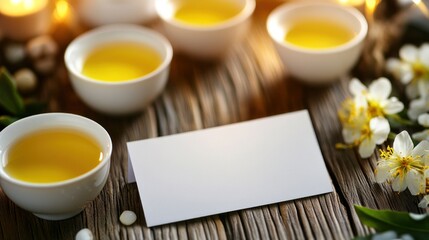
[(249, 83)]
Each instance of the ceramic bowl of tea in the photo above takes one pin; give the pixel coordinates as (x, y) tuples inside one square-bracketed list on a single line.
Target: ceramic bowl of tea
[(53, 164), (317, 42), (119, 69), (113, 12), (205, 29)]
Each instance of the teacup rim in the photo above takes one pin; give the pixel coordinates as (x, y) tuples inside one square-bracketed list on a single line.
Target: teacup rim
[(243, 15), (106, 156), (358, 38), (119, 27)]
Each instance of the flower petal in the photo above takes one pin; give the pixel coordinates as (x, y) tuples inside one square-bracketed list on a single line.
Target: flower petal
[(380, 89), (382, 172), (424, 202), (424, 54), (421, 149), (401, 70), (380, 129), (398, 184), (366, 148), (403, 145), (420, 136), (392, 106), (412, 90), (424, 119), (414, 181), (423, 87), (392, 64), (426, 173), (360, 102), (416, 108), (350, 135), (409, 53), (356, 87)]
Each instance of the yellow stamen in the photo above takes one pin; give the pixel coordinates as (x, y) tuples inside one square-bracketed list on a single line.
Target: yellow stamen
[(420, 70), (386, 154), (374, 109)]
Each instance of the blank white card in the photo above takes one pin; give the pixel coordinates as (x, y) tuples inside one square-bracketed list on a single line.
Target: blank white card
[(228, 168)]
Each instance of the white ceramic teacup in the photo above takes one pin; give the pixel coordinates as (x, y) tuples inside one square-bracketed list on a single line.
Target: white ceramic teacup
[(57, 200), (205, 42), (317, 66), (102, 12), (123, 97)]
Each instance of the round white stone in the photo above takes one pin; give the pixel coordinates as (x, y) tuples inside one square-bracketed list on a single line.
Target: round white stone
[(44, 65), (388, 235), (41, 47), (14, 53), (25, 80), (417, 217), (84, 234), (128, 217)]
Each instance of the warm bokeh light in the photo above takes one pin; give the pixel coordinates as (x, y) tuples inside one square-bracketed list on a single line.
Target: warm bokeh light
[(421, 5), (352, 2), (62, 10), (21, 7), (370, 6)]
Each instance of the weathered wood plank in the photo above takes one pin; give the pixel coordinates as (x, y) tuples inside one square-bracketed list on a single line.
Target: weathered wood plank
[(249, 83)]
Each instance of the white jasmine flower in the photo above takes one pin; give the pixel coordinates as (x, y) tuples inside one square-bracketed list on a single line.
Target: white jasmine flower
[(422, 135), (366, 135), (377, 97), (423, 120), (424, 202), (362, 117), (353, 116), (403, 71), (375, 133), (417, 107), (359, 130), (413, 63), (404, 165), (421, 104), (412, 67)]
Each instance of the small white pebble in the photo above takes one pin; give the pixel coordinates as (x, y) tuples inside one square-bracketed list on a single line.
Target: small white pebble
[(45, 65), (41, 47), (84, 234), (406, 237), (25, 80), (418, 217), (128, 217), (388, 235), (14, 53)]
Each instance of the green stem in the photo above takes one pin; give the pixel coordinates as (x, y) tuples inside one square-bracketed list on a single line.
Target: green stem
[(392, 136), (402, 121)]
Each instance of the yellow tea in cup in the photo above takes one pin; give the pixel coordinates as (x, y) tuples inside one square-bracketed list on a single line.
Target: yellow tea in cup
[(206, 12), (52, 155), (121, 61), (318, 34)]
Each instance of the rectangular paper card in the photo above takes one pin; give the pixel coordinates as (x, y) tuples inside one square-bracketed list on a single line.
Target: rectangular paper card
[(228, 168)]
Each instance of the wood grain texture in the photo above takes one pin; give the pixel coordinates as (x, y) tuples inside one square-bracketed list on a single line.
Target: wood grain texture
[(249, 83)]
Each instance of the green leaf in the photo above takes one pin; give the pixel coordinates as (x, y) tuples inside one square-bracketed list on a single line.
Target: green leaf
[(33, 107), (10, 100), (6, 120), (400, 222)]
